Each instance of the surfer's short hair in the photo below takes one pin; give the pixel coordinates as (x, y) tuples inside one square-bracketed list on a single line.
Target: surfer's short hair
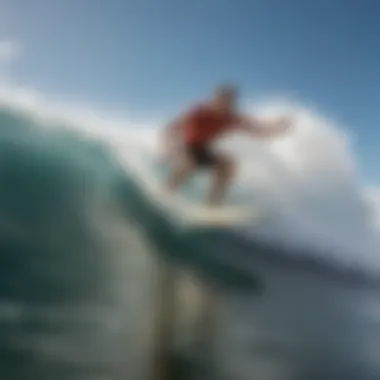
[(227, 89)]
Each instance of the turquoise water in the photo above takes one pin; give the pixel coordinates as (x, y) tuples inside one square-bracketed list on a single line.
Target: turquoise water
[(80, 247)]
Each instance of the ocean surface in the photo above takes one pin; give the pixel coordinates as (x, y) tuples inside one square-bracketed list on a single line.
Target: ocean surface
[(83, 254)]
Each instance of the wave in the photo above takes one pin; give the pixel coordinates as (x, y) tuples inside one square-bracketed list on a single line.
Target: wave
[(306, 184)]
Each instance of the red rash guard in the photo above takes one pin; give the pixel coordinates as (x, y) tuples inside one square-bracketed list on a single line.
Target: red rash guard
[(203, 125)]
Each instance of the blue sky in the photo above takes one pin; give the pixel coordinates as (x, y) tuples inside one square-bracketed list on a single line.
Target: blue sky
[(154, 56)]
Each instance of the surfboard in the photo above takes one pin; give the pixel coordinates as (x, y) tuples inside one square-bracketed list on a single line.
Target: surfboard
[(189, 212), (202, 215)]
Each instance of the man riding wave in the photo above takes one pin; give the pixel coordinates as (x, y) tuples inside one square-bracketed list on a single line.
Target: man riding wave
[(197, 129)]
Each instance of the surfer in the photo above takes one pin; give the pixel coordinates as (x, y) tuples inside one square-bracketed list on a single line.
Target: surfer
[(198, 128)]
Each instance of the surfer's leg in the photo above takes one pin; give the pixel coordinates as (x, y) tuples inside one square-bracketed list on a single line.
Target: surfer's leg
[(224, 170), (180, 174), (194, 158)]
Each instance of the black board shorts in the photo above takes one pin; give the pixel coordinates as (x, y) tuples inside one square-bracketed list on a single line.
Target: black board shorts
[(202, 156)]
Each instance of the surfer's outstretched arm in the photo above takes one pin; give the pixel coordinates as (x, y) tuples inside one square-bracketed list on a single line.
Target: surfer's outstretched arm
[(264, 128)]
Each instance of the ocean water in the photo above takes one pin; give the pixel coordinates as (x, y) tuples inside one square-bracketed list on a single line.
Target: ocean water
[(82, 254)]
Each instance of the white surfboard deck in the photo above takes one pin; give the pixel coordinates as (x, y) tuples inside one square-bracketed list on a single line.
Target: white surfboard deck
[(187, 211), (202, 215)]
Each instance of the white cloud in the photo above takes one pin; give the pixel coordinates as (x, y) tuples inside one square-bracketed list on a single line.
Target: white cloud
[(306, 182), (9, 51)]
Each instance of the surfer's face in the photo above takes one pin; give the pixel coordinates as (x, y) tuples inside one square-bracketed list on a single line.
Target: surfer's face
[(225, 100)]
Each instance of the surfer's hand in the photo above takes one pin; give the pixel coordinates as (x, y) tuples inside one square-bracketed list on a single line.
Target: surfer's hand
[(283, 124)]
